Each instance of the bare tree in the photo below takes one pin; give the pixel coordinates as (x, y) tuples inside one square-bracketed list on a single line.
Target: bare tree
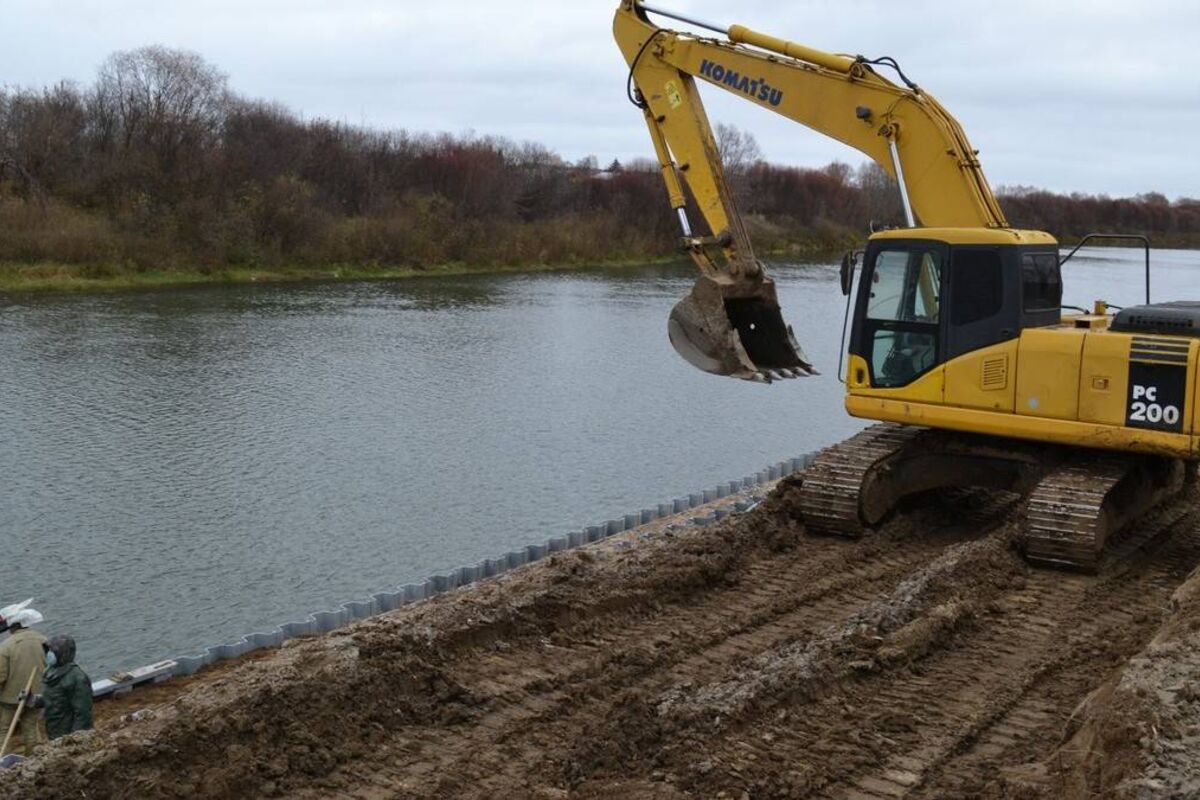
[(738, 149), (159, 97), (10, 168), (881, 194), (739, 152)]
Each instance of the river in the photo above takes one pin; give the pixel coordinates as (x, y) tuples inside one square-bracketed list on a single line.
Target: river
[(183, 467)]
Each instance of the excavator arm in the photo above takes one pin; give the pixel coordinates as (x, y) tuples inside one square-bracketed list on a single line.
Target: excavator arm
[(731, 324)]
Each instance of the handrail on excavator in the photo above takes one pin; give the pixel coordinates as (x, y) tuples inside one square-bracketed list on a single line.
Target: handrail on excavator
[(1145, 240)]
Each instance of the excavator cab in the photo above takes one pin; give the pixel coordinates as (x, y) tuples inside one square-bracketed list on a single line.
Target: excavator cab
[(927, 297)]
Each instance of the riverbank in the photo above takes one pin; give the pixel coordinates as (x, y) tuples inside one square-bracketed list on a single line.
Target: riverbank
[(47, 277), (237, 430), (61, 277), (66, 278), (744, 658)]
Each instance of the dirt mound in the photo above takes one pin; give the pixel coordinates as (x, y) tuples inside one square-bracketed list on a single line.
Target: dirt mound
[(741, 659), (1138, 735)]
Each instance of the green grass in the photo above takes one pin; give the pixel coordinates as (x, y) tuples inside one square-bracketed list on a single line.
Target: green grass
[(50, 277)]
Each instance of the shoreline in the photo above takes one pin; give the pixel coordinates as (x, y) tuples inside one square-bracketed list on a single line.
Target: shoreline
[(57, 278), (113, 705), (700, 508), (60, 278)]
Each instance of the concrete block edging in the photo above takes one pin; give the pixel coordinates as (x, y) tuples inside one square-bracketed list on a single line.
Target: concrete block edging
[(325, 621)]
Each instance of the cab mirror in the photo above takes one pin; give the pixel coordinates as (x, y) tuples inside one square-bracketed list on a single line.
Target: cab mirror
[(849, 262)]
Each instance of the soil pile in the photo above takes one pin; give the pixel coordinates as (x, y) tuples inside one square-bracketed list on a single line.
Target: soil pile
[(1138, 734)]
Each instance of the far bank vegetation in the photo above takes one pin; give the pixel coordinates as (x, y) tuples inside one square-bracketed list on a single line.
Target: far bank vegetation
[(158, 166)]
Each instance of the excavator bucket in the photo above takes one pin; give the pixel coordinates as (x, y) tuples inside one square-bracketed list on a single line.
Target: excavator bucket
[(734, 327)]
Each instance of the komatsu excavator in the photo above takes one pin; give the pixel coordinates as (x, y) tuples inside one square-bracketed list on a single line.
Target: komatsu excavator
[(958, 342)]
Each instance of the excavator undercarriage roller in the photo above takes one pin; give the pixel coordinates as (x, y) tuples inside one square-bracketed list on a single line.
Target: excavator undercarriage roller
[(855, 485), (832, 493)]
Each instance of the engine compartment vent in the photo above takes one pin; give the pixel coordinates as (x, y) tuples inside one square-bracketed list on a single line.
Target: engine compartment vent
[(1179, 318), (995, 373)]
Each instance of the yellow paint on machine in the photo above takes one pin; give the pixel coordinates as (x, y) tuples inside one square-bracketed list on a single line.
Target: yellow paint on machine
[(984, 378), (1194, 391), (1063, 385), (1104, 381), (1041, 429), (973, 236), (929, 388), (1048, 379)]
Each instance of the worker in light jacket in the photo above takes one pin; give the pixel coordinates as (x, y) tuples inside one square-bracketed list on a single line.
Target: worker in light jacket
[(22, 663)]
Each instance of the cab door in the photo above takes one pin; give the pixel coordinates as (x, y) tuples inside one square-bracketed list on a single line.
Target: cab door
[(898, 329)]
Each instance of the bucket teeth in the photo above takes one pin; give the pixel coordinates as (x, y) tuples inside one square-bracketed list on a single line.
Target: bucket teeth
[(781, 374)]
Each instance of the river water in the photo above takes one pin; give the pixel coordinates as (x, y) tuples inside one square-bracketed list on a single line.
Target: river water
[(184, 467)]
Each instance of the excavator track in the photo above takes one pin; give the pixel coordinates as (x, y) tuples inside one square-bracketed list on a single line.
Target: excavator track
[(832, 484), (1075, 501), (1065, 521), (1076, 508)]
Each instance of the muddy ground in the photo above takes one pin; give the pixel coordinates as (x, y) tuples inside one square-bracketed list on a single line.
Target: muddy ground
[(742, 660)]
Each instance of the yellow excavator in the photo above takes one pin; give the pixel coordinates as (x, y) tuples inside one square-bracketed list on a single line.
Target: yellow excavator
[(958, 343)]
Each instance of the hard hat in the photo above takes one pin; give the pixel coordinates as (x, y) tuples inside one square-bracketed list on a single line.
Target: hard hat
[(8, 611), (25, 617)]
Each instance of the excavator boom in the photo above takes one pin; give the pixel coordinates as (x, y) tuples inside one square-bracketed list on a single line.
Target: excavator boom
[(731, 323)]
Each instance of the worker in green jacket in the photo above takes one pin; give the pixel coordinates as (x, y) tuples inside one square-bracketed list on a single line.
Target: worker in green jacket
[(66, 698), (22, 662)]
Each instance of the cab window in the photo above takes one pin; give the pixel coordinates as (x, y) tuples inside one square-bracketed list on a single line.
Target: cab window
[(976, 286), (903, 307), (906, 286), (1041, 282)]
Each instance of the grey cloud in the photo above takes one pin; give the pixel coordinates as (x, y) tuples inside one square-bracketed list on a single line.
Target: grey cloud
[(1070, 95)]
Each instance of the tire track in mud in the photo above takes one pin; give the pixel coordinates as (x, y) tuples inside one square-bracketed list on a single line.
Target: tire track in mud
[(557, 692), (1117, 613), (996, 694)]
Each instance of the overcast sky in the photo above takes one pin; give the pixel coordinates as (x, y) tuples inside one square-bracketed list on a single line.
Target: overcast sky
[(1097, 97)]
